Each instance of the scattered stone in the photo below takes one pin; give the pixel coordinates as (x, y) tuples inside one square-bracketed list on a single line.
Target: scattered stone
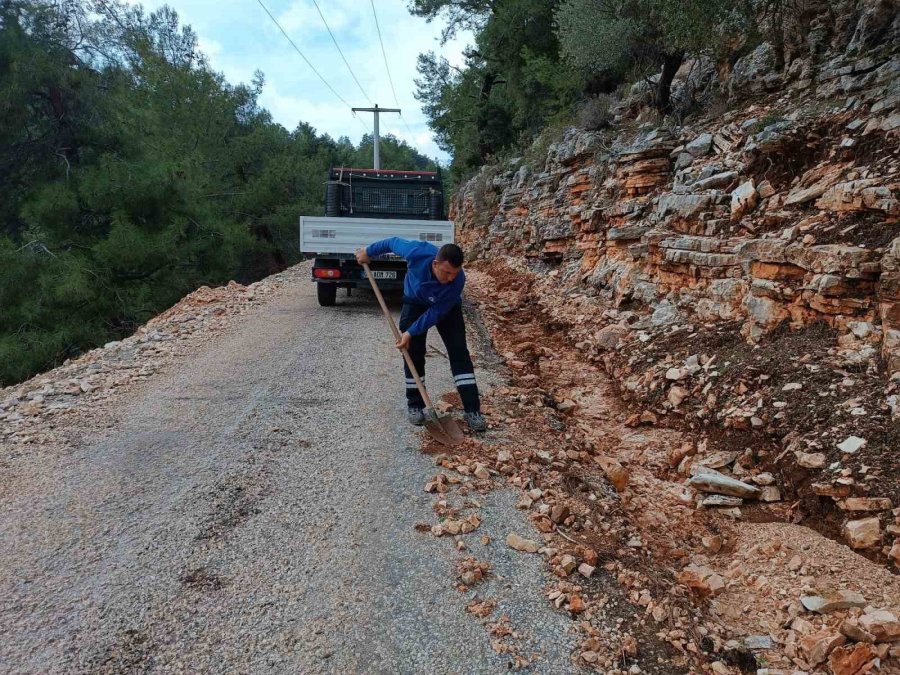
[(586, 570), (852, 660), (769, 494), (522, 544), (722, 500), (559, 513), (568, 563), (832, 602), (765, 478), (852, 629), (719, 459), (701, 579), (759, 642), (866, 504), (819, 645), (881, 624), (811, 460), (863, 533), (700, 146), (852, 444), (709, 480), (576, 604)]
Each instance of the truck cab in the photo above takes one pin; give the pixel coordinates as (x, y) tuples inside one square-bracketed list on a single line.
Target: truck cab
[(363, 206)]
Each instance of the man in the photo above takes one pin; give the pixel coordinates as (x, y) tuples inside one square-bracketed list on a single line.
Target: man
[(432, 294)]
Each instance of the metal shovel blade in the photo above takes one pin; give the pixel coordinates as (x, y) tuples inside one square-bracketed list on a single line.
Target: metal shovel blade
[(443, 429)]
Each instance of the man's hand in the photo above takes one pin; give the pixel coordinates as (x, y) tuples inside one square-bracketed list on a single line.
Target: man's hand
[(403, 342), (362, 257)]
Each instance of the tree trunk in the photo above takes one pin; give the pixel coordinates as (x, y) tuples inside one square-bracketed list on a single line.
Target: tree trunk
[(484, 148), (671, 64)]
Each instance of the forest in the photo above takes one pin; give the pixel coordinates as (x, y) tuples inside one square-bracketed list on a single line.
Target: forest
[(131, 173), (539, 65)]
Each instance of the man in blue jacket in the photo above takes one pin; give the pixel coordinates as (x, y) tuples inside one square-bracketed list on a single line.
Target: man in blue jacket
[(432, 295)]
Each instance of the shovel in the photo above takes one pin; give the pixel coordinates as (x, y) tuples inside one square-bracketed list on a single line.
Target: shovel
[(444, 430)]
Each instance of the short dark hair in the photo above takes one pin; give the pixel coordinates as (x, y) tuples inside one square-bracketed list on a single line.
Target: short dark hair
[(450, 253)]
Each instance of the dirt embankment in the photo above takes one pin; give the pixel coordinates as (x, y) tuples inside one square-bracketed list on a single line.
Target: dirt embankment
[(660, 572)]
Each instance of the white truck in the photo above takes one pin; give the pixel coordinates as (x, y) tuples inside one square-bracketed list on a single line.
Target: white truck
[(363, 206)]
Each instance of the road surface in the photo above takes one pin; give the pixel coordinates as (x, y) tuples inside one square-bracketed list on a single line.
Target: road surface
[(252, 509)]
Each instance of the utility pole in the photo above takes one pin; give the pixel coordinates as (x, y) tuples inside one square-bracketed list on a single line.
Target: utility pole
[(377, 110)]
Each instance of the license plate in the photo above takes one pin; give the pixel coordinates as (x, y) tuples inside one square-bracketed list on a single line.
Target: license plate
[(383, 274)]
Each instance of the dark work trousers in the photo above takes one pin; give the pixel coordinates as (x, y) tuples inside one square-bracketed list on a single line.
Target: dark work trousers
[(452, 330)]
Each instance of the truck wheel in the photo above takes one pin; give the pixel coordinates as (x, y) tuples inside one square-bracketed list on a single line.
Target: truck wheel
[(327, 294)]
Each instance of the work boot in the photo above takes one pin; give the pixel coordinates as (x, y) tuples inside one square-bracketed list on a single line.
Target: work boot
[(416, 416), (476, 421)]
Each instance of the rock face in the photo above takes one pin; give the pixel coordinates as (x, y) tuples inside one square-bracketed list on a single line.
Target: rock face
[(696, 221)]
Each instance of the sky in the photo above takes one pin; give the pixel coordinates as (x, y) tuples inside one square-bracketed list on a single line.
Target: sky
[(238, 37)]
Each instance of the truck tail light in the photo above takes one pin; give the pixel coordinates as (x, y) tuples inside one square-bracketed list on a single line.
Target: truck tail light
[(326, 273)]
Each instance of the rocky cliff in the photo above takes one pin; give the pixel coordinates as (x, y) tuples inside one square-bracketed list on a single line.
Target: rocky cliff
[(737, 276)]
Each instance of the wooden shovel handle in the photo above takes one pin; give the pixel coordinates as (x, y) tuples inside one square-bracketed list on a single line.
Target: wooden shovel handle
[(396, 332)]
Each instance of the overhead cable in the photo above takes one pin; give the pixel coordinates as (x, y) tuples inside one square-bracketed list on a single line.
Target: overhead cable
[(340, 51), (312, 67), (388, 69)]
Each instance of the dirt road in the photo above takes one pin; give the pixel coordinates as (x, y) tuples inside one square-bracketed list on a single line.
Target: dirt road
[(252, 509)]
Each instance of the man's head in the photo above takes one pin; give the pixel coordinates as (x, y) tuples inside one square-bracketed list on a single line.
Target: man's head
[(447, 263)]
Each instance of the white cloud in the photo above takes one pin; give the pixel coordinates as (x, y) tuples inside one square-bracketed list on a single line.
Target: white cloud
[(239, 38), (210, 47)]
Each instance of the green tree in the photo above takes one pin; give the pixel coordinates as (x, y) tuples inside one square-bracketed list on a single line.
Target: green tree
[(619, 37), (131, 173), (512, 85)]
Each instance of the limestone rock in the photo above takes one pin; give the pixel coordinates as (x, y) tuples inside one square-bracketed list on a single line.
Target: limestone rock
[(863, 533), (586, 570), (852, 660), (819, 645), (702, 579), (743, 200), (866, 504), (881, 624), (852, 444), (700, 146), (832, 602), (754, 72), (709, 480), (521, 544)]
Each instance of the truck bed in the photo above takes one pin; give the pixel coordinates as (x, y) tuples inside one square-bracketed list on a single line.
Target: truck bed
[(322, 235)]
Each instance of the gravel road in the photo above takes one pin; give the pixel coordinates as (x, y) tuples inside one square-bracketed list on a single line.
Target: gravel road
[(252, 510)]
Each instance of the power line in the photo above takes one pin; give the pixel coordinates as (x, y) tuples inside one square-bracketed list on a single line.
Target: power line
[(340, 51), (388, 69), (383, 53), (312, 67)]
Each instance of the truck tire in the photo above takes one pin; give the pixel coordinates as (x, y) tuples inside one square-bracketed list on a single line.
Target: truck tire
[(435, 206), (326, 294), (332, 199)]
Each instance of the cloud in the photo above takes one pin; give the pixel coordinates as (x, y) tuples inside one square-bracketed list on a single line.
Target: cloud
[(239, 38)]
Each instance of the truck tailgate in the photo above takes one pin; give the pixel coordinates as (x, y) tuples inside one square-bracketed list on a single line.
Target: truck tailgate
[(321, 234)]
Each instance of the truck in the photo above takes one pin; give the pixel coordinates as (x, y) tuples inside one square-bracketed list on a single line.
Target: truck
[(365, 205)]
